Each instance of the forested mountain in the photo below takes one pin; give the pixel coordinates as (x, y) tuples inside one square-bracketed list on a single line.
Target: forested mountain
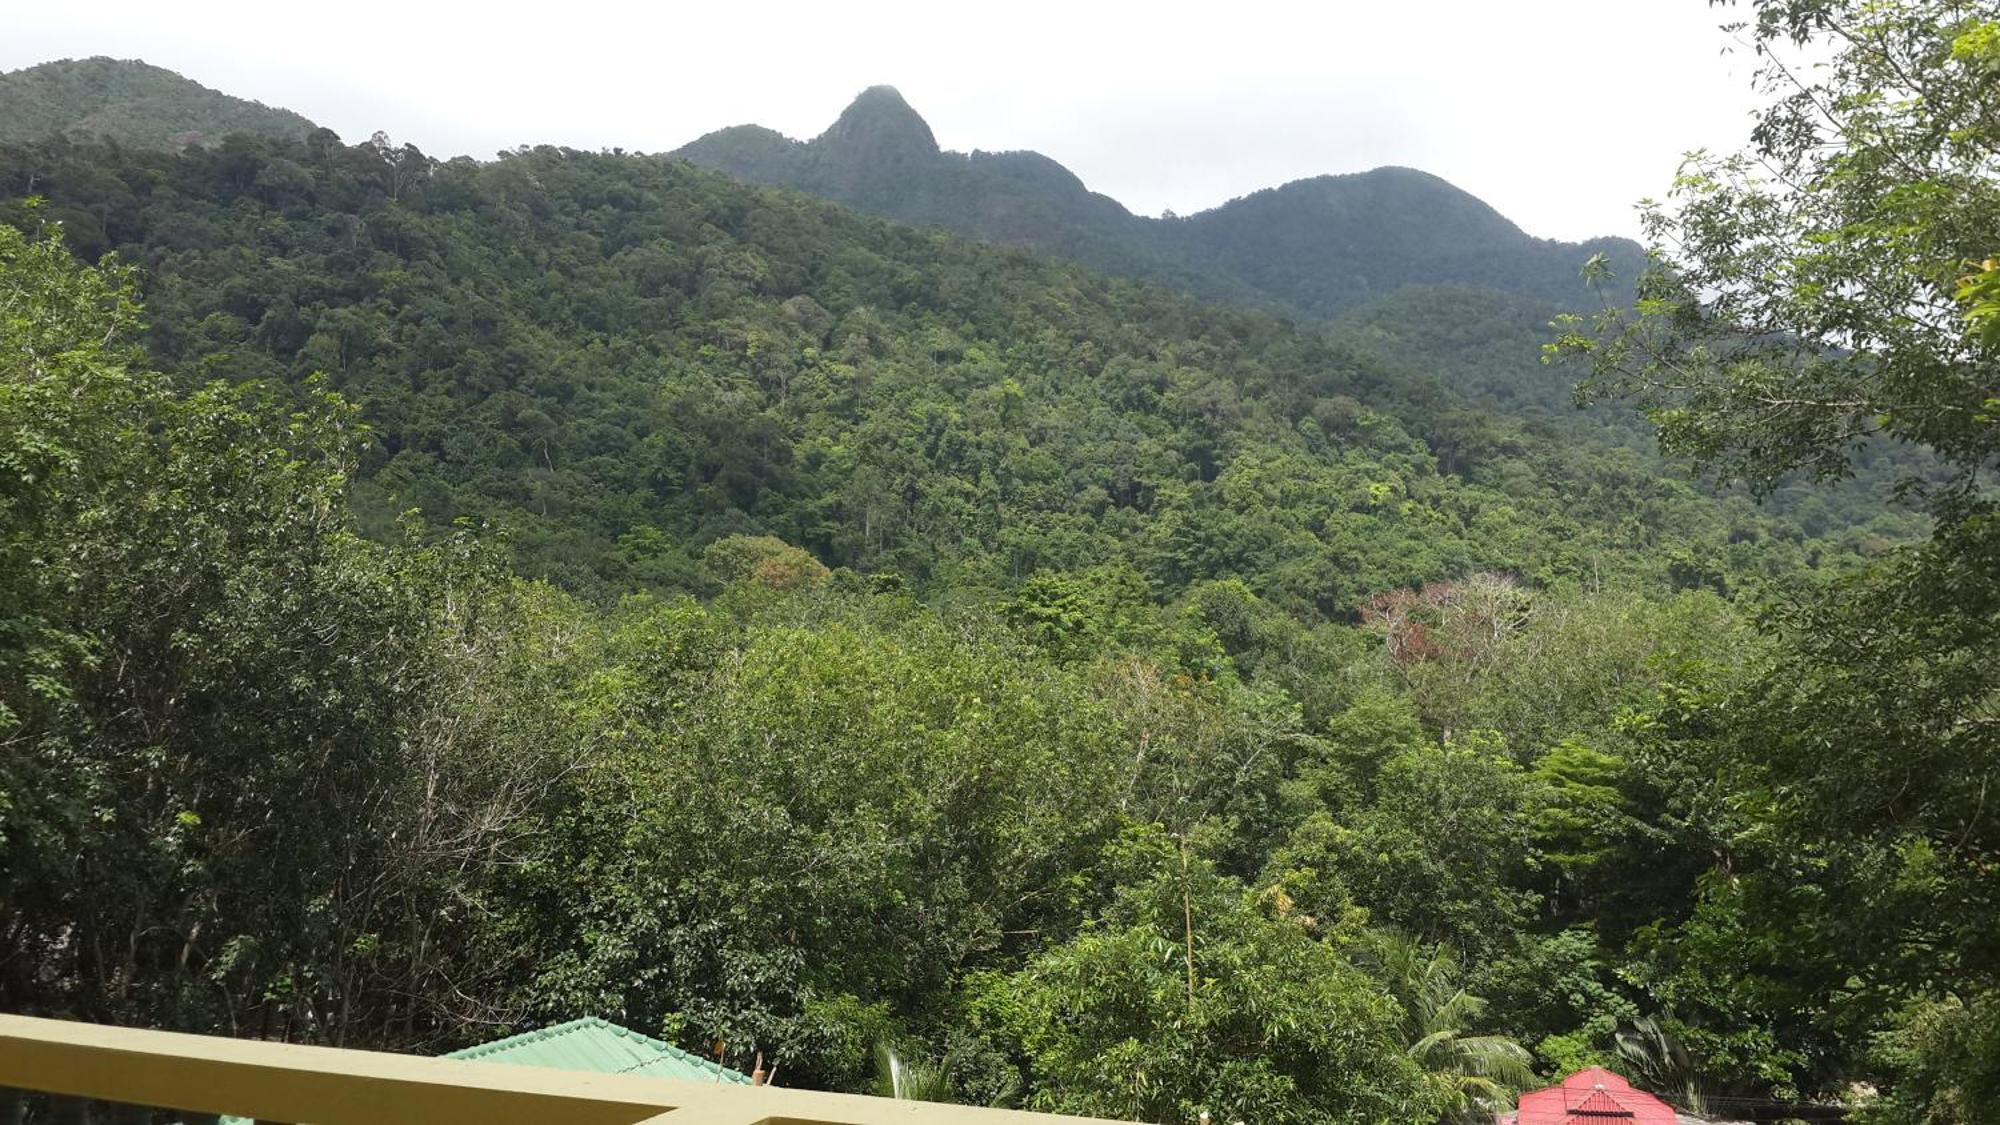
[(265, 775), (1314, 248), (443, 597), (622, 359), (132, 103)]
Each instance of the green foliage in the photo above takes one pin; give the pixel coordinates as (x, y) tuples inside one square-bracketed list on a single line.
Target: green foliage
[(1657, 1057), (802, 820), (1944, 1056), (1980, 291), (1075, 615), (1815, 302), (1584, 820), (1061, 633), (620, 360), (193, 682), (812, 806), (1477, 1076), (761, 560), (911, 1079), (1556, 991), (1190, 993), (1430, 841)]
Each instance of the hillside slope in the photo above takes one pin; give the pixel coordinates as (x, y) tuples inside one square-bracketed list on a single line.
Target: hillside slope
[(132, 103), (623, 358)]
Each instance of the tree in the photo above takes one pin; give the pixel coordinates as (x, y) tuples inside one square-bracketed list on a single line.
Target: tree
[(1947, 1053), (1192, 993), (762, 560), (1825, 293), (1830, 284), (1426, 838), (255, 772), (1478, 1076)]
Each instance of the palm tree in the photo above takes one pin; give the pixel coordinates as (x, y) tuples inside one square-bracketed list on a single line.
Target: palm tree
[(918, 1080), (1662, 1063), (1479, 1074)]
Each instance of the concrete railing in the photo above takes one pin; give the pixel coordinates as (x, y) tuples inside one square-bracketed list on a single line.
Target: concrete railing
[(196, 1077)]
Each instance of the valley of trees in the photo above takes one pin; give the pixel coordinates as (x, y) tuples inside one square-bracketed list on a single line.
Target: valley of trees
[(444, 597)]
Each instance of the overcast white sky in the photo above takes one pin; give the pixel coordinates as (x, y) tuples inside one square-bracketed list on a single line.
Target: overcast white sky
[(1561, 113)]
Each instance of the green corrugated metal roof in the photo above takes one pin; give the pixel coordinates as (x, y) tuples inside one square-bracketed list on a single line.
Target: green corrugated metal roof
[(592, 1044), (601, 1046)]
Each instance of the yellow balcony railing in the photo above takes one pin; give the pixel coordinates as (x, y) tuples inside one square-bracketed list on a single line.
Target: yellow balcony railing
[(198, 1076)]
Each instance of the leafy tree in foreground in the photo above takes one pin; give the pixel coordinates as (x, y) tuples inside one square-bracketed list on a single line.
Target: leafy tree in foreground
[(1807, 293), (1429, 837), (1191, 993), (1477, 1076), (1831, 287), (201, 670)]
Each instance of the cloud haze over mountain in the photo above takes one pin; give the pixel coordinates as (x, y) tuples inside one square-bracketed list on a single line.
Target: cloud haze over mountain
[(1157, 106)]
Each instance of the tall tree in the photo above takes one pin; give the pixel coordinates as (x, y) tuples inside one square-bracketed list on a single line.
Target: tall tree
[(1193, 994), (1828, 290), (1830, 283), (1476, 1075)]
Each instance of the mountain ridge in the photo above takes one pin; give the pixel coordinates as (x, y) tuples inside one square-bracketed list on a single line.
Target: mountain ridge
[(132, 102), (1315, 247)]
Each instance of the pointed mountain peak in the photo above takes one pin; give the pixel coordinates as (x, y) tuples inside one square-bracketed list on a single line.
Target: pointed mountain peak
[(881, 122)]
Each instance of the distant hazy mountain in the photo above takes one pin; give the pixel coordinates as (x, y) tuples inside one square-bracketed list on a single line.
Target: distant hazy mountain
[(880, 157), (131, 102), (1317, 247)]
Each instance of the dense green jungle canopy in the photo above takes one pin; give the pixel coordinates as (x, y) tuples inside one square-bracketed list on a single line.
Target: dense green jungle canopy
[(440, 597), (621, 359)]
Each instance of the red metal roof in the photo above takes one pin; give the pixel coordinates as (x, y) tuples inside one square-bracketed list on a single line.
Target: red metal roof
[(1593, 1097)]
